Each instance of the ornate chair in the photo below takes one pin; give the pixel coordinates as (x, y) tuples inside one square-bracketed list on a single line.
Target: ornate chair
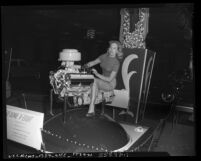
[(133, 81), (121, 97)]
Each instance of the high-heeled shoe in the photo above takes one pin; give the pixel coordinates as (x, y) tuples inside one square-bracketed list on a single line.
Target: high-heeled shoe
[(90, 114)]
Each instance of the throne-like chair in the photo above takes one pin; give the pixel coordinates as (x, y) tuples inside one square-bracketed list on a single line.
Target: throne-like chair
[(133, 81), (121, 97)]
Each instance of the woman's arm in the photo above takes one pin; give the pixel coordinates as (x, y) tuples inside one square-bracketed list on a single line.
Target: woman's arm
[(108, 79), (94, 62)]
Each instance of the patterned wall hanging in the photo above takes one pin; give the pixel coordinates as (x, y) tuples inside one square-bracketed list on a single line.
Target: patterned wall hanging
[(134, 27)]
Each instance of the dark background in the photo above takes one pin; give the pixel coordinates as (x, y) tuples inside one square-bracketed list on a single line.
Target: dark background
[(38, 33)]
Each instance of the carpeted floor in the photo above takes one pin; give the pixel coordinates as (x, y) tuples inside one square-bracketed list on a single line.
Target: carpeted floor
[(179, 141)]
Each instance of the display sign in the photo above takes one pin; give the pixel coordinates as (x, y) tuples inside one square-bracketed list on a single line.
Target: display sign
[(24, 126)]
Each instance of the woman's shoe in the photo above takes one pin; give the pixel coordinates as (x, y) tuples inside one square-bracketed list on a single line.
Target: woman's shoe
[(90, 114)]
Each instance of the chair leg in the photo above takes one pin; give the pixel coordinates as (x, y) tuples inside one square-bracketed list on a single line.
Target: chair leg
[(65, 107), (103, 105), (103, 108), (113, 113), (51, 102)]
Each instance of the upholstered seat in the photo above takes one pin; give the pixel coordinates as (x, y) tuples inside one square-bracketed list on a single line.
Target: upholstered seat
[(107, 96)]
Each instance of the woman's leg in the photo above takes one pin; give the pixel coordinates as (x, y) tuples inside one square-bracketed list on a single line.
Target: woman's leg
[(94, 92), (102, 85)]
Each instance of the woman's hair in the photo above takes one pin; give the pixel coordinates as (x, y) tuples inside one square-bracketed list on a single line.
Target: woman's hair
[(119, 53)]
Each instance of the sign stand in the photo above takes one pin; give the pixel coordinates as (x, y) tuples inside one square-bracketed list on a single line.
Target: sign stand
[(43, 148)]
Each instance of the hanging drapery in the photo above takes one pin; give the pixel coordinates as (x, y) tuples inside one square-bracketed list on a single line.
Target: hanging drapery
[(134, 27)]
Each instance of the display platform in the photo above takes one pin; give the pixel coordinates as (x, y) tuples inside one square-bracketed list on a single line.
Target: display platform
[(82, 134)]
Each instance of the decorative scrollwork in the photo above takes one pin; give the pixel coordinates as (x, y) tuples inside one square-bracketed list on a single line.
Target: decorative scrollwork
[(136, 38)]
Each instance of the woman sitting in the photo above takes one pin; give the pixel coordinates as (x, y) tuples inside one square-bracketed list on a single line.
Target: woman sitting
[(106, 81)]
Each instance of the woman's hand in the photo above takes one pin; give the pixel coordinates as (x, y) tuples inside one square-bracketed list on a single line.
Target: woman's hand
[(95, 72), (89, 64)]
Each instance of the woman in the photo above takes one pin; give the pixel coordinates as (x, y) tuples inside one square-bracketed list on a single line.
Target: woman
[(110, 65)]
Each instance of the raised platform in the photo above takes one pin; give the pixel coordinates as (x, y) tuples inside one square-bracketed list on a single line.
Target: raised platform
[(83, 134)]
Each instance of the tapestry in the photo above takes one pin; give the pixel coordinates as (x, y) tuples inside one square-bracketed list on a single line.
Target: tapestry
[(134, 27)]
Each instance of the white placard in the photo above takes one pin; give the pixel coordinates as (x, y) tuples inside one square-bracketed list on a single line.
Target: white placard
[(24, 126)]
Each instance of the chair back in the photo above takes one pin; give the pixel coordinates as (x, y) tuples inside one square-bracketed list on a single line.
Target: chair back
[(135, 75)]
